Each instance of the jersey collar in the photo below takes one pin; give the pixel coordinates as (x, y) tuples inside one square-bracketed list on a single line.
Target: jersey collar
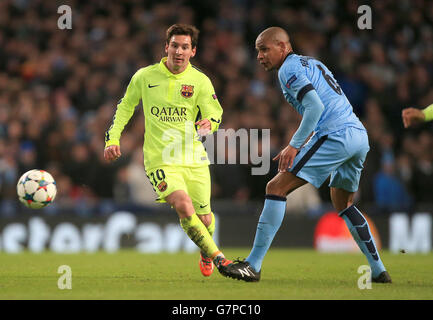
[(164, 68), (288, 55)]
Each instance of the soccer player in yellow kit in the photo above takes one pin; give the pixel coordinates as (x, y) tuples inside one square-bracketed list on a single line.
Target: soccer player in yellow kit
[(179, 105), (413, 116)]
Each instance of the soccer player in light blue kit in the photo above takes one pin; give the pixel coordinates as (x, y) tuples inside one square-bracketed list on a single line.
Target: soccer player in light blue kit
[(338, 147)]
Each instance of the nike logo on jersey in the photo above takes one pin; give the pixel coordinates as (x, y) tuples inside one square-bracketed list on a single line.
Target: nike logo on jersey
[(153, 86), (203, 206)]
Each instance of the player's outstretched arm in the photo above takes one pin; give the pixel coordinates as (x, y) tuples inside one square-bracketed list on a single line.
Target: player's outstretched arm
[(412, 116), (124, 111)]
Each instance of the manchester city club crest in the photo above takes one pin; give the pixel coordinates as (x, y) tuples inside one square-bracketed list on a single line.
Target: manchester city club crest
[(187, 91)]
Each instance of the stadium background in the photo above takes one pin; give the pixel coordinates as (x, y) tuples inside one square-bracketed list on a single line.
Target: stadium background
[(59, 88)]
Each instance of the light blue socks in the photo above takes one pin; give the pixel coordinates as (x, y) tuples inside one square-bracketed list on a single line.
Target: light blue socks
[(358, 227), (269, 223), (272, 216)]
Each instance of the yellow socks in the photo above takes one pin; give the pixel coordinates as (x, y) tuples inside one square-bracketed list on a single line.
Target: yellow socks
[(199, 234), (211, 227)]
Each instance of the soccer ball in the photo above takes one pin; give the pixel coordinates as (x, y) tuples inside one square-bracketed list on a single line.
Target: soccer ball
[(36, 189)]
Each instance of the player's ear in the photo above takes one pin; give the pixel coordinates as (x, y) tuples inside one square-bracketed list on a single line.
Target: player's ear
[(194, 50), (166, 47), (282, 46)]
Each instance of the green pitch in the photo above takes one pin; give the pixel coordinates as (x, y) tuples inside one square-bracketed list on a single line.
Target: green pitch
[(287, 274)]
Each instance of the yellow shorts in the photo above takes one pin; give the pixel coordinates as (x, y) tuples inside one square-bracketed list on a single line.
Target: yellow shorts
[(195, 181)]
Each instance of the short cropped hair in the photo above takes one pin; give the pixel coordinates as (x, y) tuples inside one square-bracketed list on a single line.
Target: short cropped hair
[(184, 30)]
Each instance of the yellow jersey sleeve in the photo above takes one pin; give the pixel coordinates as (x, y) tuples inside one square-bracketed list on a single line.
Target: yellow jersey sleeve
[(209, 105), (428, 113), (125, 110)]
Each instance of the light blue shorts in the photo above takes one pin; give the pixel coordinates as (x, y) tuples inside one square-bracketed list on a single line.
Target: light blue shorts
[(340, 155)]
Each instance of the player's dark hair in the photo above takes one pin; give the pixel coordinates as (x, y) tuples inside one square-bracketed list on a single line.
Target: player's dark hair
[(184, 30)]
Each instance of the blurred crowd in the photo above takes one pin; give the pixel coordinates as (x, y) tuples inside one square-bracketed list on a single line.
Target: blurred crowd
[(59, 90)]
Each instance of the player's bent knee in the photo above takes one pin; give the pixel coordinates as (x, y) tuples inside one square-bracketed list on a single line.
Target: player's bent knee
[(274, 187), (183, 206), (341, 199), (205, 218), (284, 183)]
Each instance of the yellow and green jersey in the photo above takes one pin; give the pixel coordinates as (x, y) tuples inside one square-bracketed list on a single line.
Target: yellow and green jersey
[(172, 103), (428, 113)]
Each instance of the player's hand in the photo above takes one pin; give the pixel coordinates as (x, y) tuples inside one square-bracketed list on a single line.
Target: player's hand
[(286, 158), (112, 153), (204, 127), (412, 116)]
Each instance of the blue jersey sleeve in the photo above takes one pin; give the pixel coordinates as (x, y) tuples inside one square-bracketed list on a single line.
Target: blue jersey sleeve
[(294, 83), (296, 86), (313, 111)]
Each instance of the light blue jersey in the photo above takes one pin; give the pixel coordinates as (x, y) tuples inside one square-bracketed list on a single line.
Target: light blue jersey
[(339, 145), (299, 75)]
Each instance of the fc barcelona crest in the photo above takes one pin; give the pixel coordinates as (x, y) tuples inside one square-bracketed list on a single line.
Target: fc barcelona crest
[(162, 186), (187, 91)]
